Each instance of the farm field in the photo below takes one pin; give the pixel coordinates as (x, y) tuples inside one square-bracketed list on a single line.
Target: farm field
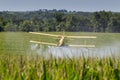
[(18, 42), (19, 62)]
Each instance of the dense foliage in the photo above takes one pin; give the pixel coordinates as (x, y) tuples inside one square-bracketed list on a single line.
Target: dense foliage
[(60, 20)]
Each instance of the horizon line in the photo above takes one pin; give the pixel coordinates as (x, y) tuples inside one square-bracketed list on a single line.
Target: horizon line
[(56, 10)]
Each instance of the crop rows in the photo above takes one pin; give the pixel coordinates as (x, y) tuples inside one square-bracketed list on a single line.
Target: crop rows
[(34, 67)]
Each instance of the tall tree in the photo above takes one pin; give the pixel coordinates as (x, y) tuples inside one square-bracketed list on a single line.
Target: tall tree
[(102, 20), (26, 26)]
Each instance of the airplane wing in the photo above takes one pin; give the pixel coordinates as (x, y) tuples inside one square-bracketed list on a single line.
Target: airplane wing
[(83, 46), (52, 44), (61, 35), (81, 36), (45, 34)]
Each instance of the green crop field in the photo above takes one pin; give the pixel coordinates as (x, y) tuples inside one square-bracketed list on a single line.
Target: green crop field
[(18, 42), (16, 64)]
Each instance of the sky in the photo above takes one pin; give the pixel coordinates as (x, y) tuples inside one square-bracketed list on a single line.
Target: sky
[(70, 5)]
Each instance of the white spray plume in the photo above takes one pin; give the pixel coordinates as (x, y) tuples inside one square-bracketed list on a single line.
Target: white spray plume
[(65, 52)]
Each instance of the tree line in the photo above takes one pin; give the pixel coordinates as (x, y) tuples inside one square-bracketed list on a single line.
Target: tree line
[(60, 20)]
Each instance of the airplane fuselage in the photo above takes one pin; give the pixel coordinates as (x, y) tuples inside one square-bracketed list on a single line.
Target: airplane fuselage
[(61, 41)]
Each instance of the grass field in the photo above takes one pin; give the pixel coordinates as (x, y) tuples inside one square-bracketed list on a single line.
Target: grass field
[(18, 42), (15, 64)]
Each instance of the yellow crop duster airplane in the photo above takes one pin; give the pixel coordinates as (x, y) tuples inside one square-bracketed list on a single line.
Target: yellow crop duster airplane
[(61, 41)]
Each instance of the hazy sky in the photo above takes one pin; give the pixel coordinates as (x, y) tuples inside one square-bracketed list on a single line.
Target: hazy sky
[(70, 5)]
